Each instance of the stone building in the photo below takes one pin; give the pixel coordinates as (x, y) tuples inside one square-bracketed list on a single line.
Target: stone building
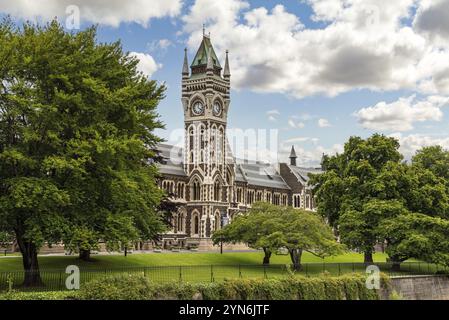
[(204, 177)]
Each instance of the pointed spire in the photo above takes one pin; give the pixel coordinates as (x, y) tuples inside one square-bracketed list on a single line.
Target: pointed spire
[(226, 72), (293, 156), (185, 67)]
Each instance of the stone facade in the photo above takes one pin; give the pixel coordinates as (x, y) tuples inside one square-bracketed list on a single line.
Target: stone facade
[(210, 185)]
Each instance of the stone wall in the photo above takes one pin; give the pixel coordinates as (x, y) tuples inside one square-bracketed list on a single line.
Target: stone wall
[(420, 287)]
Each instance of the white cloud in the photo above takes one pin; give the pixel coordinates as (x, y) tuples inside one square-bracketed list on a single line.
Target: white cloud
[(310, 156), (411, 143), (111, 12), (160, 46), (323, 123), (273, 114), (363, 44), (296, 125), (146, 65), (400, 115)]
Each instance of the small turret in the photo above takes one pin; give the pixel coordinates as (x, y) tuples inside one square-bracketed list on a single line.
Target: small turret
[(185, 67), (293, 156), (226, 72)]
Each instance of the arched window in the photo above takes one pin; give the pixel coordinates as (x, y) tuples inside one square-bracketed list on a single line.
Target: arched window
[(196, 190), (220, 135), (269, 197), (217, 190), (180, 190), (296, 201), (181, 220), (239, 195), (191, 138), (195, 223)]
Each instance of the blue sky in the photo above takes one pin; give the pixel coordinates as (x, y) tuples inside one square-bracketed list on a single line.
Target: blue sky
[(319, 71)]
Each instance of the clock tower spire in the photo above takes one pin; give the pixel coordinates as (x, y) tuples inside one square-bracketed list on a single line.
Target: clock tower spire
[(205, 100)]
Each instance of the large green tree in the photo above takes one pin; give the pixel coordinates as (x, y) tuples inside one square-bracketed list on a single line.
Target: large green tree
[(272, 227), (366, 190), (349, 182), (77, 127)]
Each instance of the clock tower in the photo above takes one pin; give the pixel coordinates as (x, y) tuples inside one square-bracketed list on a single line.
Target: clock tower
[(205, 102)]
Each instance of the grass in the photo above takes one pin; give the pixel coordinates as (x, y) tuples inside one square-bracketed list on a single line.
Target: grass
[(191, 267), (175, 259)]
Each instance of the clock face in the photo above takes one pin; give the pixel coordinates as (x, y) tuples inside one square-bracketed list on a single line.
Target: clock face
[(217, 108), (198, 108)]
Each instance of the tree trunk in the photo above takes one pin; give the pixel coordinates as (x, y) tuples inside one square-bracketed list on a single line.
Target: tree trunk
[(126, 251), (32, 277), (368, 257), (85, 255), (267, 256), (295, 255)]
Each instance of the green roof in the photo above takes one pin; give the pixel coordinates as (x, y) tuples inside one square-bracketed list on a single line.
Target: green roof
[(203, 52)]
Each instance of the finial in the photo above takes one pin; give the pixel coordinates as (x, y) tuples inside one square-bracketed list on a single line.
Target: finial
[(204, 29)]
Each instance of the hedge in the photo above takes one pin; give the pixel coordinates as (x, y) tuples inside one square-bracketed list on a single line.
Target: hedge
[(48, 295), (136, 287), (346, 287)]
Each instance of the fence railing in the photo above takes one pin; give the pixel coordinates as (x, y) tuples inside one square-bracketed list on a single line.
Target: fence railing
[(55, 280)]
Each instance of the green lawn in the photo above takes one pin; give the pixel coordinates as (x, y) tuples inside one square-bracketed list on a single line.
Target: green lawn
[(192, 267), (174, 259)]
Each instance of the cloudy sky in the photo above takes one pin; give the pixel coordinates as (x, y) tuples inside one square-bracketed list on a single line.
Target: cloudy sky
[(318, 71)]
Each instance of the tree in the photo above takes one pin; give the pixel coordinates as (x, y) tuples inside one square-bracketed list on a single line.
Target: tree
[(416, 235), (272, 227), (251, 228), (349, 182), (121, 233), (77, 125)]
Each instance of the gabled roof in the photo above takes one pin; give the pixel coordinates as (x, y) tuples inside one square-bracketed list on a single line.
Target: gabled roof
[(263, 175), (302, 174), (203, 53)]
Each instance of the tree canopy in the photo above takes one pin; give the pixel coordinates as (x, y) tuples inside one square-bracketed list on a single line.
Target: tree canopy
[(368, 191), (270, 227), (77, 125)]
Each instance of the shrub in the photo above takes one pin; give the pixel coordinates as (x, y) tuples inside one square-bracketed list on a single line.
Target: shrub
[(50, 295), (137, 287)]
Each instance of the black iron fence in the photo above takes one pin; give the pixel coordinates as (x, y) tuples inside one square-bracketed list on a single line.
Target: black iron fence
[(55, 280)]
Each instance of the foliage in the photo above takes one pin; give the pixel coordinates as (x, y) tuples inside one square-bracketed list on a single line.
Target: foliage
[(120, 232), (81, 238), (348, 287), (272, 227), (6, 238), (77, 125), (49, 295), (366, 190)]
